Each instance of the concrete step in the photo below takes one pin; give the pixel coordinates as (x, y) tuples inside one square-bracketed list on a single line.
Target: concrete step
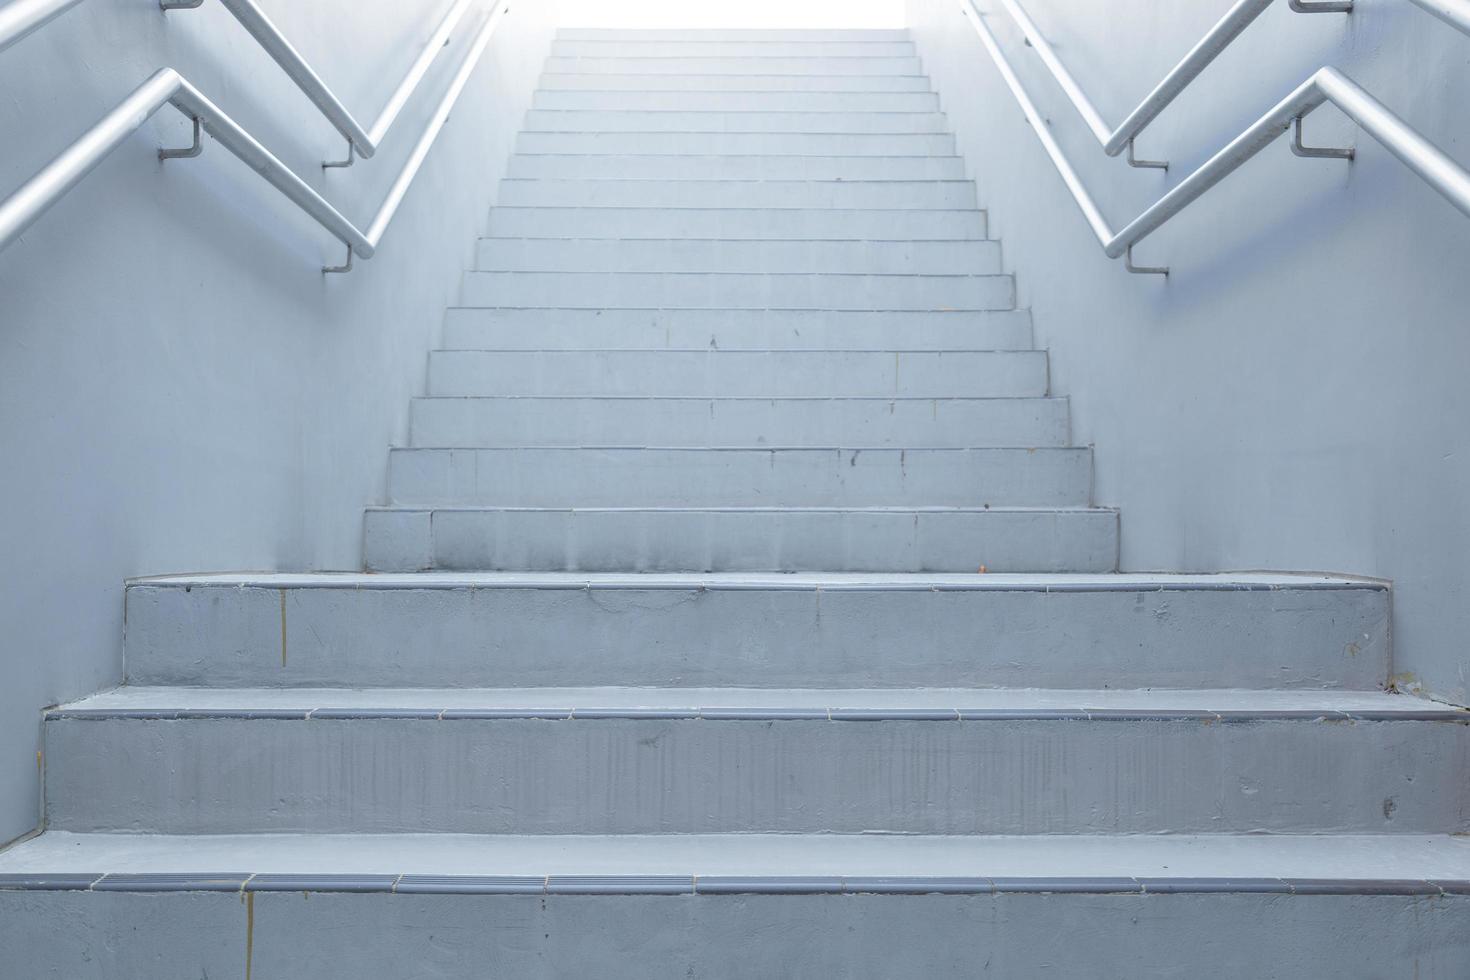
[(654, 167), (770, 631), (728, 101), (880, 539), (735, 291), (573, 80), (103, 906), (737, 255), (824, 34), (740, 477), (737, 65), (729, 422), (560, 329), (731, 48), (725, 223), (646, 760), (674, 121), (905, 195), (715, 373), (686, 144)]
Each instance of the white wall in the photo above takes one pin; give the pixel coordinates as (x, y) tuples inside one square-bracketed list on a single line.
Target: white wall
[(180, 387), (1297, 394)]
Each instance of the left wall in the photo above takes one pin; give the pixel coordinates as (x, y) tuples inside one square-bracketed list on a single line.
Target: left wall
[(180, 386)]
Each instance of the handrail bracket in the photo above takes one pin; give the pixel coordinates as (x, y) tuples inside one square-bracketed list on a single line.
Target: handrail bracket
[(1145, 164), (1142, 270), (344, 267), (179, 4), (1302, 150), (1321, 6), (189, 151), (349, 161)]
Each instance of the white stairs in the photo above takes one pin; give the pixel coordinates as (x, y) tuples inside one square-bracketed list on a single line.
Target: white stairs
[(741, 609)]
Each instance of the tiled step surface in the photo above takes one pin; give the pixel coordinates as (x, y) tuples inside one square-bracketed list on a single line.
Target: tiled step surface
[(742, 373), (870, 143), (894, 423), (737, 65), (907, 195), (740, 477), (571, 80), (844, 224), (735, 101), (734, 167), (746, 291), (776, 539), (766, 48), (739, 121), (560, 328), (799, 630), (642, 760), (713, 255)]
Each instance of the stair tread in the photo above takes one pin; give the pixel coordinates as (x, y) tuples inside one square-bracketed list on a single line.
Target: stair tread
[(1066, 863), (956, 703)]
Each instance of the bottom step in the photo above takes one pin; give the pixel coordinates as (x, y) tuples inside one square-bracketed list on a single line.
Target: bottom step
[(996, 539), (114, 905)]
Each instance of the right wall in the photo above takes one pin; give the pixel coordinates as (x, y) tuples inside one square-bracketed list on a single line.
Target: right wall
[(1296, 395)]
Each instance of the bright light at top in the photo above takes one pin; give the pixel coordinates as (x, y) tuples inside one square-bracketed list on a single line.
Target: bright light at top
[(732, 13)]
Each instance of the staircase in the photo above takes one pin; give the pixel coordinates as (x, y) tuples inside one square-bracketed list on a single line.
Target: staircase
[(741, 608)]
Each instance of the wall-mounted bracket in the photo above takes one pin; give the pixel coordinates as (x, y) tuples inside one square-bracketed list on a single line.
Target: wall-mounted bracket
[(1322, 6), (344, 267), (1302, 150), (1142, 270), (1148, 164), (351, 158), (188, 151), (179, 4)]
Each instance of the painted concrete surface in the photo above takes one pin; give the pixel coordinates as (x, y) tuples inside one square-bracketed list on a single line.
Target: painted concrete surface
[(771, 631), (105, 935), (180, 384), (1293, 395), (926, 773)]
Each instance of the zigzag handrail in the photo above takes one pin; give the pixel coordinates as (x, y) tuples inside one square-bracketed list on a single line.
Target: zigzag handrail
[(20, 17), (1181, 76), (1325, 85), (168, 87)]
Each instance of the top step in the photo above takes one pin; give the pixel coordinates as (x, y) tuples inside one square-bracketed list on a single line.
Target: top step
[(725, 49), (678, 34)]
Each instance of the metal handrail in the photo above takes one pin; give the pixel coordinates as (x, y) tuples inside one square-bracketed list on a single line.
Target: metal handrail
[(168, 87), (1215, 41), (360, 141), (1325, 85), (20, 17)]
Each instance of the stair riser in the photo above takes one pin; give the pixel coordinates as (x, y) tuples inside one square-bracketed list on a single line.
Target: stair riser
[(674, 121), (739, 101), (104, 936), (581, 81), (739, 373), (742, 143), (628, 48), (736, 223), (672, 255), (708, 422), (631, 290), (701, 776), (843, 636), (746, 65), (730, 330), (642, 167), (741, 477), (785, 35), (733, 541), (897, 195)]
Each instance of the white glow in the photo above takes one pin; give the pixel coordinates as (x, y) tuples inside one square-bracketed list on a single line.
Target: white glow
[(732, 13)]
